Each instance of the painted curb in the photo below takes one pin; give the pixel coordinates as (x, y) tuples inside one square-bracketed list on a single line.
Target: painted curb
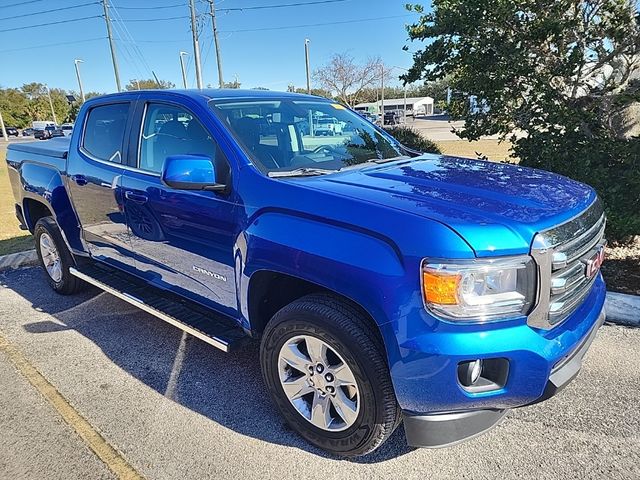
[(623, 309), (18, 260)]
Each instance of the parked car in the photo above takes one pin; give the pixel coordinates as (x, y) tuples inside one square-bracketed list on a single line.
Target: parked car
[(391, 118), (67, 129), (384, 286), (58, 132), (28, 132), (45, 133), (327, 126), (11, 131), (369, 116)]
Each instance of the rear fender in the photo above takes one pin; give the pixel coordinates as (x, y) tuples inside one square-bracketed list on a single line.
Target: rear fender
[(44, 184)]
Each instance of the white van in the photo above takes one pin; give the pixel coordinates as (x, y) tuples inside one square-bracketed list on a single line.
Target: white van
[(41, 125)]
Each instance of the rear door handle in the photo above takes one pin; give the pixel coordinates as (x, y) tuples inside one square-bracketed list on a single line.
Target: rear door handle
[(79, 179), (136, 197)]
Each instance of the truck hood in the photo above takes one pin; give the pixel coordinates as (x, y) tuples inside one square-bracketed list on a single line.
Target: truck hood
[(496, 208)]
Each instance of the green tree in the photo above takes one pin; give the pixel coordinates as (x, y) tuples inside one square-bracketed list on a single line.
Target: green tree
[(148, 84), (13, 105), (560, 71)]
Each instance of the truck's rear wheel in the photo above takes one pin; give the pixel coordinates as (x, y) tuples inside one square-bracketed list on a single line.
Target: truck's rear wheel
[(55, 258), (326, 371)]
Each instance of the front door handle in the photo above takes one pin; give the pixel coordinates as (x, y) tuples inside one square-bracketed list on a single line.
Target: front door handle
[(79, 179), (136, 197)]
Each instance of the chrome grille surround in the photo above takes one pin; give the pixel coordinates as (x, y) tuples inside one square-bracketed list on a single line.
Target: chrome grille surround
[(561, 254)]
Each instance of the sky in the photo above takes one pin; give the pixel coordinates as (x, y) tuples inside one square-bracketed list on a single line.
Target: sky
[(263, 47)]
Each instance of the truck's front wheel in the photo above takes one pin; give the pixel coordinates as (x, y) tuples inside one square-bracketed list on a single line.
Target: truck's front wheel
[(55, 258), (326, 371)]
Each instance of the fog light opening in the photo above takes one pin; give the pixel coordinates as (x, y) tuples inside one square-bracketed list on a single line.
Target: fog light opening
[(483, 375)]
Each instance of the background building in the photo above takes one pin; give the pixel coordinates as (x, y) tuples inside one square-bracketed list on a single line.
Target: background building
[(415, 105)]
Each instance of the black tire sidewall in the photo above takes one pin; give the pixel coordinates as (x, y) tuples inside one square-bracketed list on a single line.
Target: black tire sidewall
[(67, 282), (289, 323)]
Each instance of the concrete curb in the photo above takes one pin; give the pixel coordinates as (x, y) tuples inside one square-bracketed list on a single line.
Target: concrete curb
[(623, 309), (18, 260)]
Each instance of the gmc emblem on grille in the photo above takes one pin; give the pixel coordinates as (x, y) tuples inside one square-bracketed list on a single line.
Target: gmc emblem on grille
[(595, 262)]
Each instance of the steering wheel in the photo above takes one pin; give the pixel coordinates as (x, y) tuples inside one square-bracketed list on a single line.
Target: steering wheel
[(326, 148)]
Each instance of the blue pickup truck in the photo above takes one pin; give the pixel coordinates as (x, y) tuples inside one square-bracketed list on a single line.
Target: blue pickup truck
[(386, 286)]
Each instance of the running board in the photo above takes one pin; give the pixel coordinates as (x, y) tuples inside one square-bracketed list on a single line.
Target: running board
[(194, 319)]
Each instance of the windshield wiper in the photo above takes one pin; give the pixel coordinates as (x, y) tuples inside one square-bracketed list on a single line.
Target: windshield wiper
[(300, 172), (376, 161)]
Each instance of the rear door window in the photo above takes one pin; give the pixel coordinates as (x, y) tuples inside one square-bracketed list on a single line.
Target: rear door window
[(104, 131)]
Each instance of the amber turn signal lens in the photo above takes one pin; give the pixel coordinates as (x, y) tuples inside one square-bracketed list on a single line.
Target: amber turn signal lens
[(440, 288)]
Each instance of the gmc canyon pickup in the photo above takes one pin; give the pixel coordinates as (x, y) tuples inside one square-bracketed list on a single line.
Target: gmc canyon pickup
[(385, 285)]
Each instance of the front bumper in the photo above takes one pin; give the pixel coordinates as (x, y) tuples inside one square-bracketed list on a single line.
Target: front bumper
[(446, 429)]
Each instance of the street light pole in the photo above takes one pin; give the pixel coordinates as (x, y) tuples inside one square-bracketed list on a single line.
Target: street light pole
[(4, 132), (53, 113), (306, 58), (76, 62), (382, 95), (184, 71)]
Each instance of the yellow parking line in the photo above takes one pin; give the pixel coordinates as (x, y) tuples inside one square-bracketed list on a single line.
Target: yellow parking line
[(83, 428)]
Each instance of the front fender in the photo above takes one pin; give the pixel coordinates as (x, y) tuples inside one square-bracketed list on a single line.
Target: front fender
[(361, 265)]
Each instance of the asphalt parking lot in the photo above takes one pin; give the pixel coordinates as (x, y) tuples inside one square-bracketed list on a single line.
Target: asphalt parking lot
[(176, 408)]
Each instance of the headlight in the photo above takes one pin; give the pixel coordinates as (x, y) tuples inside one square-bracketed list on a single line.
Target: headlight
[(479, 290)]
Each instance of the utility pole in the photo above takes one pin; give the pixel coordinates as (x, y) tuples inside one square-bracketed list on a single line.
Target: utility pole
[(4, 132), (105, 5), (53, 113), (196, 45), (76, 62), (306, 58), (382, 94), (184, 71), (212, 9)]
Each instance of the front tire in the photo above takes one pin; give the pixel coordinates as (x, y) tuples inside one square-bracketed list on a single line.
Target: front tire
[(326, 371), (55, 258)]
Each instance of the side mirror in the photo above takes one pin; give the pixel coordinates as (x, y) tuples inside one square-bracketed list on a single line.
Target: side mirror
[(190, 172)]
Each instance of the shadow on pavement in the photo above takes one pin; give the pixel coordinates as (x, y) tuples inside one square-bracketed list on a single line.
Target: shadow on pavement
[(225, 387)]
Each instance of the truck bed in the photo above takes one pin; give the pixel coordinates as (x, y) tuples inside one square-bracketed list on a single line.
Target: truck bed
[(56, 147)]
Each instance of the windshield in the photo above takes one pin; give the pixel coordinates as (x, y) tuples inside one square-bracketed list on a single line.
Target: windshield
[(286, 135)]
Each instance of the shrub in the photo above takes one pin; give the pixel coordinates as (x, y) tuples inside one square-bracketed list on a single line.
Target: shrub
[(610, 165), (413, 139)]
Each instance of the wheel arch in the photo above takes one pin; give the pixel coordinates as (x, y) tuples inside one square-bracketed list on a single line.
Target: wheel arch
[(270, 290)]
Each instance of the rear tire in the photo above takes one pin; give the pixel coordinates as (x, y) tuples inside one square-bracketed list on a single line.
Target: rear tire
[(362, 411), (55, 258)]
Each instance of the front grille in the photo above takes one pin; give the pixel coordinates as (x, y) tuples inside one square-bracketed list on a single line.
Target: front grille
[(562, 254)]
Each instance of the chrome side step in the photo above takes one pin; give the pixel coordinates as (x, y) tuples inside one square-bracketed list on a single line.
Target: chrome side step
[(193, 319)]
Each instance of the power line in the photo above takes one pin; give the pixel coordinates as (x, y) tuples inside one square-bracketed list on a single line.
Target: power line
[(49, 11), (53, 44), (283, 5), (314, 24), (20, 4), (154, 7), (49, 23), (182, 17)]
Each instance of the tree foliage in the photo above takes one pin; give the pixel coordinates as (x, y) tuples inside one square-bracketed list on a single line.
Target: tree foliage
[(148, 84), (21, 106), (347, 79), (560, 72)]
